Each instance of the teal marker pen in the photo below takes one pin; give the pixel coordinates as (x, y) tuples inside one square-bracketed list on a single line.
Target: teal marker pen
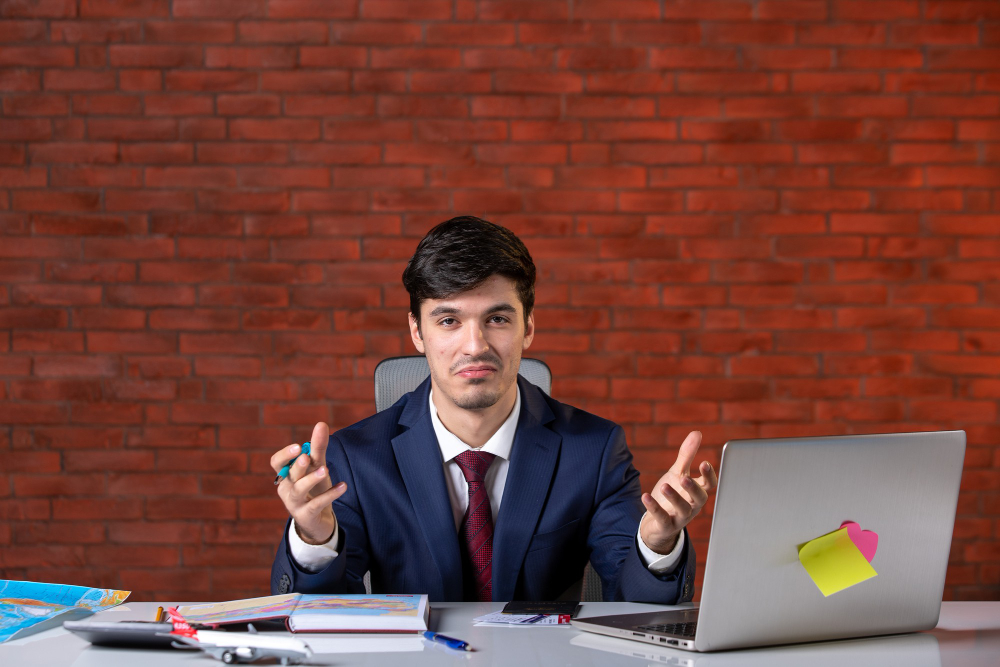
[(283, 473)]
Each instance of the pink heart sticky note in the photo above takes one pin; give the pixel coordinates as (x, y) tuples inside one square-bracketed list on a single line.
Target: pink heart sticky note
[(865, 540)]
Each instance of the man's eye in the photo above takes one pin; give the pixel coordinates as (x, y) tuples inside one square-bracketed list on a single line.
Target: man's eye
[(498, 319), (447, 322)]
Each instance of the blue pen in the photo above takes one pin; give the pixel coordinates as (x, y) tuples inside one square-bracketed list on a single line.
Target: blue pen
[(456, 644), (283, 473)]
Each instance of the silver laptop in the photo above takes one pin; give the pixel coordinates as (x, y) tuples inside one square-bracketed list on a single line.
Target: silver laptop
[(775, 495)]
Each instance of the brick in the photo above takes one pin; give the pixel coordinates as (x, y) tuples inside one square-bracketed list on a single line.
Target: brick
[(538, 82), (604, 58), (967, 176), (229, 153), (824, 200), (282, 225), (37, 56), (965, 59), (723, 200), (19, 80), (905, 82), (804, 10), (522, 154), (957, 105), (629, 82), (652, 152), (118, 9), (577, 33), (950, 11), (36, 105), (857, 106), (401, 9), (769, 107), (523, 10), (652, 201), (585, 10), (720, 10), (193, 510), (217, 82), (250, 57), (159, 56), (836, 82), (881, 59), (278, 129), (692, 57)]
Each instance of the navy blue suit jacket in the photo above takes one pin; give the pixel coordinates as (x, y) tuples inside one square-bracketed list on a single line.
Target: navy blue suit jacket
[(571, 495)]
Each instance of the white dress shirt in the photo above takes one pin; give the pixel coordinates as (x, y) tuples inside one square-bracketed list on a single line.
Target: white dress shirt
[(315, 557)]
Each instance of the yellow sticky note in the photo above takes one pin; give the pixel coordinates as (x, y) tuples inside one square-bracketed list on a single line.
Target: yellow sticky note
[(834, 562)]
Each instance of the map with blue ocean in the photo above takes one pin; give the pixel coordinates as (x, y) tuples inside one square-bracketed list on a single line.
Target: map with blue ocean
[(27, 604)]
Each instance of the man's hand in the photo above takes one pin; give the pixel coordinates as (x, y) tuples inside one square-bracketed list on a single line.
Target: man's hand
[(307, 492), (676, 498)]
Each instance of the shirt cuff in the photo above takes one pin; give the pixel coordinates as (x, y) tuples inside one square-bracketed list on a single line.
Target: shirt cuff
[(312, 557), (660, 563)]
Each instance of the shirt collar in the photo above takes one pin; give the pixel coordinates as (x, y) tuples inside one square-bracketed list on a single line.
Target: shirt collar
[(499, 444)]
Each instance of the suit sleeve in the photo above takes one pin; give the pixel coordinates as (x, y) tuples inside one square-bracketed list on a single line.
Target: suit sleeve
[(612, 539), (345, 573)]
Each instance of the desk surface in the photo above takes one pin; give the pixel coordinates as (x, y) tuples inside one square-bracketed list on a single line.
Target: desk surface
[(968, 635)]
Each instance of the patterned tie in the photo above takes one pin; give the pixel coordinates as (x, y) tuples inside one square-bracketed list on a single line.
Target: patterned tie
[(477, 526)]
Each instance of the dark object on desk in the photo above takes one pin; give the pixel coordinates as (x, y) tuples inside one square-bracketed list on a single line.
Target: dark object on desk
[(566, 608), (126, 634)]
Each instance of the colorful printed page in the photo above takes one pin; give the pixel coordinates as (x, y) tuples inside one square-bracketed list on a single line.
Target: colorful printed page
[(360, 613), (320, 613), (25, 606), (240, 611)]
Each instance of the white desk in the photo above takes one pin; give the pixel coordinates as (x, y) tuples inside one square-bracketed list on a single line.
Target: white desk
[(967, 636)]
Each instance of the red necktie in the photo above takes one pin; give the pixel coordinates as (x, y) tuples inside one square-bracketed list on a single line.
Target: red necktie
[(477, 526)]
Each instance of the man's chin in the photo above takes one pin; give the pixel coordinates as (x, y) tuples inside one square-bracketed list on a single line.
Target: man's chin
[(477, 400)]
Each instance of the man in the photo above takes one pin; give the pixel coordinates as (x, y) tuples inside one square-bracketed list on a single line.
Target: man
[(478, 486)]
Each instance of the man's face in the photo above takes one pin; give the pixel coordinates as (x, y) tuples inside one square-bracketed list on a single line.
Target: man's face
[(473, 342)]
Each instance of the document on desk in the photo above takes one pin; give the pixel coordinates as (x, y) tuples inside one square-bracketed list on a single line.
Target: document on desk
[(498, 619), (26, 606)]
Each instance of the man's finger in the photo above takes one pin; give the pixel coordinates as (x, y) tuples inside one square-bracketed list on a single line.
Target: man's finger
[(677, 506), (317, 446), (298, 468), (284, 456), (317, 482), (697, 495), (686, 454), (709, 479), (656, 510), (326, 498)]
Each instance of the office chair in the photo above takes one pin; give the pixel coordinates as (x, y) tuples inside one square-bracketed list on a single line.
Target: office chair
[(398, 375)]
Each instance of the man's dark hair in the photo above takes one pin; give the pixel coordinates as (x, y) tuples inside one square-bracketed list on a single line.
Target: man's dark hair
[(461, 254)]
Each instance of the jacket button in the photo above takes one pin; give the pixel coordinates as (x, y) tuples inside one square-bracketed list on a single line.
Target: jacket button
[(284, 584)]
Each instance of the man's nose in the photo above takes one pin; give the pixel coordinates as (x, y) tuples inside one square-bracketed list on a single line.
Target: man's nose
[(474, 341)]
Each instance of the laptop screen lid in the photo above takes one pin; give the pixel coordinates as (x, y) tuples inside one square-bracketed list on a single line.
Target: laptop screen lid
[(775, 495)]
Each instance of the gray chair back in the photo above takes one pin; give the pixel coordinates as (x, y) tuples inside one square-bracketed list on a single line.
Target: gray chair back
[(398, 375)]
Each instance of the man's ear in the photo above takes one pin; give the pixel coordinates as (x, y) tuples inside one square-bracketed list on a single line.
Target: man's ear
[(529, 331), (418, 342)]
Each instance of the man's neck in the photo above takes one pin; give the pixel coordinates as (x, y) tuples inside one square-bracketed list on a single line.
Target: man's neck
[(474, 427)]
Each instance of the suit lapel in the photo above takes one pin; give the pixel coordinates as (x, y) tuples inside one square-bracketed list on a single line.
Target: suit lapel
[(533, 461), (419, 459)]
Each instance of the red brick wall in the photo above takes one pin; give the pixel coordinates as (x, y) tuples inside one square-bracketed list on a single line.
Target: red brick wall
[(757, 218)]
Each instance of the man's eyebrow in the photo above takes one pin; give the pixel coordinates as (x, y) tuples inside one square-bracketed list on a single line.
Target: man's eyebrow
[(451, 310)]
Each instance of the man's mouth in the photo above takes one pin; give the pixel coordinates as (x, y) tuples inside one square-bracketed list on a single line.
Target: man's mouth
[(473, 372)]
